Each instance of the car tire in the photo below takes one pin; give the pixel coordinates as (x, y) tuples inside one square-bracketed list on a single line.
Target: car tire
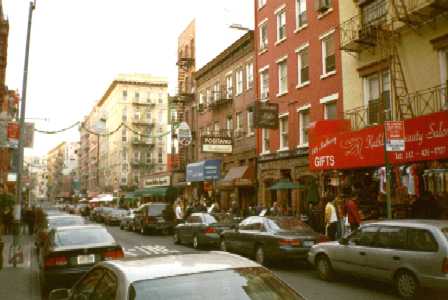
[(407, 285), (324, 268), (260, 256), (196, 244), (176, 238), (223, 245)]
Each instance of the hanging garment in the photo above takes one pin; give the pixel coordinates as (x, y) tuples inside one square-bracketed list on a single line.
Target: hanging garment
[(382, 175), (404, 176)]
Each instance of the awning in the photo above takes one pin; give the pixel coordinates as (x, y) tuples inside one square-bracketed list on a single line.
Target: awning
[(285, 185), (237, 176), (156, 191), (205, 170), (129, 196)]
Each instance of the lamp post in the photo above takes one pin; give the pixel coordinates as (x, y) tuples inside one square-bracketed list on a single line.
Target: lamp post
[(16, 247)]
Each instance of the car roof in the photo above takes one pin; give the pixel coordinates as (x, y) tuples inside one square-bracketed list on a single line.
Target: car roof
[(177, 264), (76, 227), (411, 222)]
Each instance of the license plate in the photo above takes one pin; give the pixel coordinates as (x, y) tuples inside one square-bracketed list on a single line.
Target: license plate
[(86, 259), (308, 243)]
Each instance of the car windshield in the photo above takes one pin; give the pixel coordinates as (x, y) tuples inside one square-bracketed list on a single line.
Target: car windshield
[(445, 232), (82, 236), (156, 209), (245, 283), (209, 219), (65, 221), (287, 224)]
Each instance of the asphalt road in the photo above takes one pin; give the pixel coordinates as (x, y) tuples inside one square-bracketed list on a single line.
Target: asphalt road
[(300, 276)]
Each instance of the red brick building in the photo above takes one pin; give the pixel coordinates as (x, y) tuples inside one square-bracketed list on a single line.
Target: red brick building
[(299, 68)]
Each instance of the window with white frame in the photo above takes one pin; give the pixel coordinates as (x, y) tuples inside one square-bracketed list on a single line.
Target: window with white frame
[(377, 95), (282, 77), (125, 94), (261, 3), (124, 167), (229, 86), (263, 36), (239, 124), (229, 125), (265, 146), (283, 119), (281, 25), (328, 54), (250, 122), (136, 116), (148, 98), (301, 15), (124, 115), (137, 96), (249, 76), (304, 121), (124, 155), (443, 59), (216, 91), (160, 98), (124, 137), (209, 96), (330, 110), (239, 81), (160, 155), (264, 84), (303, 66)]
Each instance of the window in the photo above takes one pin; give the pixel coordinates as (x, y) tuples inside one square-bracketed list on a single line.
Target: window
[(136, 179), (136, 155), (304, 121), (239, 124), (391, 238), (229, 125), (374, 13), (303, 66), (124, 116), (443, 55), (148, 98), (281, 25), (282, 77), (322, 5), (125, 94), (216, 127), (328, 55), (363, 236), (421, 240), (209, 96), (216, 91), (283, 132), (124, 137), (160, 156), (261, 3), (124, 167), (250, 122), (249, 76), (124, 180), (202, 99), (136, 116), (160, 98), (264, 84), (265, 140), (377, 96), (229, 86), (301, 17), (239, 81), (264, 36), (148, 116), (330, 110), (136, 96), (148, 157)]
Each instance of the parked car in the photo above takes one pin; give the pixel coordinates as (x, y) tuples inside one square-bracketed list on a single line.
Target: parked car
[(200, 229), (100, 213), (127, 222), (213, 275), (154, 216), (71, 251), (270, 238), (52, 222), (115, 216), (82, 209), (408, 253)]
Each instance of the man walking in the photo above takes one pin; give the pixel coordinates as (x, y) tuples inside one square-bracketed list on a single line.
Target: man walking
[(352, 210), (179, 212), (331, 220)]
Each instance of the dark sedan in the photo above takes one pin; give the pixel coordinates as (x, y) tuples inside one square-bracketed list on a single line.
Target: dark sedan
[(270, 238), (71, 251), (200, 229)]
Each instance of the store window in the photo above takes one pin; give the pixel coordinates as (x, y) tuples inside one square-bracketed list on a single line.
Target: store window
[(301, 17), (264, 84), (377, 96), (282, 77), (304, 121), (328, 54), (283, 132)]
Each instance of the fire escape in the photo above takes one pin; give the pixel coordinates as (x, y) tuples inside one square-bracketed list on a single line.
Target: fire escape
[(377, 29)]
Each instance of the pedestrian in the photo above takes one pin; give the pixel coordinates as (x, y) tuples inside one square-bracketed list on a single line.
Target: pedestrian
[(8, 220), (331, 220), (30, 219), (179, 212), (275, 210), (352, 211)]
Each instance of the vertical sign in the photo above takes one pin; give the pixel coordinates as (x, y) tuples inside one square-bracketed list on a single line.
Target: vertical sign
[(13, 134), (394, 136)]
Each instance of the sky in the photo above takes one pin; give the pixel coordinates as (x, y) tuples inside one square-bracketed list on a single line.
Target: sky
[(79, 46)]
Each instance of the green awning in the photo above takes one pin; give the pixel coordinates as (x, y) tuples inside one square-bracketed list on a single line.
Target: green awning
[(129, 196), (285, 185), (157, 191)]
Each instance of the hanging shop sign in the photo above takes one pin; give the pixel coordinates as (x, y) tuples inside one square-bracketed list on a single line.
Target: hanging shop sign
[(158, 181), (426, 138), (13, 134), (205, 170), (394, 135), (266, 115), (184, 134), (217, 144)]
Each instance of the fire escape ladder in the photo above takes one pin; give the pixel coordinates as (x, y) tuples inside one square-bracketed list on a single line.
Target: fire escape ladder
[(400, 88), (403, 15)]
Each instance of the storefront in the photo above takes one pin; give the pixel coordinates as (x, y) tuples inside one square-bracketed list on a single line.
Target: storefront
[(202, 177), (352, 163), (240, 182)]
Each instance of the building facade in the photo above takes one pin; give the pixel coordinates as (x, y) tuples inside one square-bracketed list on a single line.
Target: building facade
[(55, 166), (298, 68), (225, 99)]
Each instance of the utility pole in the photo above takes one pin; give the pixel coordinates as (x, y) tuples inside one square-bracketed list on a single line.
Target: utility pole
[(16, 247)]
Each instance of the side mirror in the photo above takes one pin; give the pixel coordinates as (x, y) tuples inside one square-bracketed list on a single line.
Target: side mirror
[(59, 294)]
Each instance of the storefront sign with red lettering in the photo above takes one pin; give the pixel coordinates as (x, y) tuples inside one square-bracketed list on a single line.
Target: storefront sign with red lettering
[(426, 138)]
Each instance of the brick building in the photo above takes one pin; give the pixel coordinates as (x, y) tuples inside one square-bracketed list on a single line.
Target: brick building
[(299, 68)]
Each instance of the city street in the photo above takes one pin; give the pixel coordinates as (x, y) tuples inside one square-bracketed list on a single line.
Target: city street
[(300, 276)]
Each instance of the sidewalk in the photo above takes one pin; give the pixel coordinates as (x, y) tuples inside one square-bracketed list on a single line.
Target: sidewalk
[(21, 282)]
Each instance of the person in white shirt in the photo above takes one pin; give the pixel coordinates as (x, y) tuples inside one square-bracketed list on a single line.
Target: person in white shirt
[(178, 211), (331, 220)]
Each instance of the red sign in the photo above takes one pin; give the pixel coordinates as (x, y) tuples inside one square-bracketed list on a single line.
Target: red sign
[(394, 130), (13, 131), (426, 138)]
